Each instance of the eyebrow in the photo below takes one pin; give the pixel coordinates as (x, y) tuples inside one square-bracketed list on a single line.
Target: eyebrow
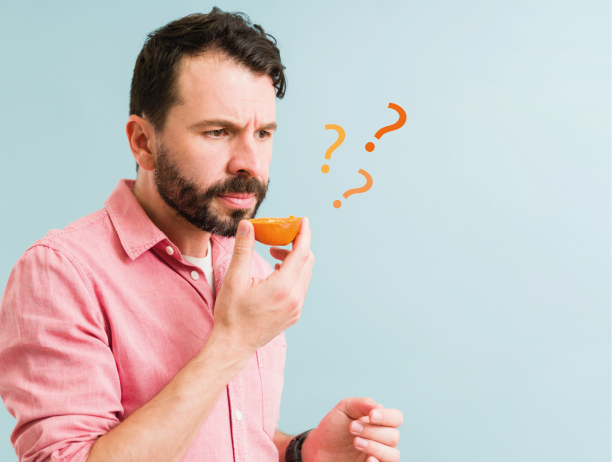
[(228, 124)]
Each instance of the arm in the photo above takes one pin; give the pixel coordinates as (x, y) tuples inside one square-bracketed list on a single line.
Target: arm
[(163, 429), (58, 375), (60, 379), (248, 314)]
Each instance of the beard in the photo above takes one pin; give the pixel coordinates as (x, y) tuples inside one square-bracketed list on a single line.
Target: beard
[(185, 198)]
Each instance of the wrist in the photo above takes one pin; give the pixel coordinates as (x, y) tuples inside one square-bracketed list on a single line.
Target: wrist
[(308, 450), (229, 354)]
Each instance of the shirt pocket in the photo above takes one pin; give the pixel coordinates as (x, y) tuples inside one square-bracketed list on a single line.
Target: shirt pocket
[(271, 361)]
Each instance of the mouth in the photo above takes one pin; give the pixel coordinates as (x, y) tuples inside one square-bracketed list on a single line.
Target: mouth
[(238, 201)]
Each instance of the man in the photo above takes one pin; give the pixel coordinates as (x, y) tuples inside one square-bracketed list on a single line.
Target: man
[(150, 330)]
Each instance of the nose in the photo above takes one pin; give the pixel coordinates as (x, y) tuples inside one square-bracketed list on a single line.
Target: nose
[(248, 157)]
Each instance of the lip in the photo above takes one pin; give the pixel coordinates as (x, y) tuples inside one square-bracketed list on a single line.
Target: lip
[(238, 201)]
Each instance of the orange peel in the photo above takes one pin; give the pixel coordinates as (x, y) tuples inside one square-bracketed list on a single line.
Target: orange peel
[(276, 231)]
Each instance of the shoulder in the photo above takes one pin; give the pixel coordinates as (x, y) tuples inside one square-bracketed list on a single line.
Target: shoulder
[(84, 240), (63, 256), (60, 253), (51, 283), (47, 287), (58, 243), (85, 228)]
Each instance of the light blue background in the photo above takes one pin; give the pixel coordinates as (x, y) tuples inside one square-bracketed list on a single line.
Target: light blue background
[(470, 287)]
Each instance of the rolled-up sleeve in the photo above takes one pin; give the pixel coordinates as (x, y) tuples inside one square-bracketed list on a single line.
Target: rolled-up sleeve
[(58, 377)]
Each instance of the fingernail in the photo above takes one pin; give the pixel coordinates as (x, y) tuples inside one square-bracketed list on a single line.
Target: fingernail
[(243, 228), (376, 416), (357, 427), (360, 443)]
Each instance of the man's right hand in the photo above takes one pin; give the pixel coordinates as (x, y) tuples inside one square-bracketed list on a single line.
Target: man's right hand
[(250, 312)]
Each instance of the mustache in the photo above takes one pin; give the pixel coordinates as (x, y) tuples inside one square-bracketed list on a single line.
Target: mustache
[(238, 185)]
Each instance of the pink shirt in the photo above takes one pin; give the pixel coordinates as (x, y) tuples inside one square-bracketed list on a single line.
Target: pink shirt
[(97, 318)]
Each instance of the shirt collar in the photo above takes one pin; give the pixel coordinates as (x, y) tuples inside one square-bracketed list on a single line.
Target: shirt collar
[(135, 229), (138, 233)]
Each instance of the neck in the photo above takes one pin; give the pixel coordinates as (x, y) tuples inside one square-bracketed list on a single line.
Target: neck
[(190, 240)]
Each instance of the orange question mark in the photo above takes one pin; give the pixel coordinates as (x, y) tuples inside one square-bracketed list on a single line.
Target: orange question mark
[(389, 128), (350, 192), (332, 148)]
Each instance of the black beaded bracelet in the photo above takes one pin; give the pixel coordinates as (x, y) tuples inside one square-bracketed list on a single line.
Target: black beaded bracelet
[(294, 449)]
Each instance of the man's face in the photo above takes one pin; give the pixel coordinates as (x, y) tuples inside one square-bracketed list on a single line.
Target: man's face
[(213, 156)]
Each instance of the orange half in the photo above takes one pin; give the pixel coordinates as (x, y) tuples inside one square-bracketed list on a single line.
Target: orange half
[(276, 231)]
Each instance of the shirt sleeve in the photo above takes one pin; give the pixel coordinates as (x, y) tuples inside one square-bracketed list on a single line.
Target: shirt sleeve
[(59, 378)]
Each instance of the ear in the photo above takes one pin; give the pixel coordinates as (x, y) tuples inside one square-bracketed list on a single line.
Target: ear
[(141, 137)]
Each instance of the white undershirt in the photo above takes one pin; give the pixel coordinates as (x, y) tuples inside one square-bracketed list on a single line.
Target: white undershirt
[(205, 264)]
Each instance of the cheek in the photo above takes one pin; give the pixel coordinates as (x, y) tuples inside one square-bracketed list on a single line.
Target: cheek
[(205, 171), (201, 162), (267, 155)]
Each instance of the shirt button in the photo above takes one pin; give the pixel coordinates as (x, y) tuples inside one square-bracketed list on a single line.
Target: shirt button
[(238, 415), (195, 276), (170, 250)]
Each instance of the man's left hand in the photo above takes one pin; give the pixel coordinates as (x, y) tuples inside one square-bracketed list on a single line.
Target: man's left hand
[(356, 430)]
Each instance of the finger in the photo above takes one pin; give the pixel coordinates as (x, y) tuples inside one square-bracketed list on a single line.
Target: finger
[(372, 448), (240, 265), (295, 260), (356, 407), (303, 233), (386, 417), (388, 436), (372, 459), (279, 253), (277, 266), (365, 418)]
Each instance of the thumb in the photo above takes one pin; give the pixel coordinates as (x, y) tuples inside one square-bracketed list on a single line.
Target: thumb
[(356, 408), (240, 265)]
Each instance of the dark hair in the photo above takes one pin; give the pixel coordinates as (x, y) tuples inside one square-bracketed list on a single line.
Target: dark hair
[(154, 90)]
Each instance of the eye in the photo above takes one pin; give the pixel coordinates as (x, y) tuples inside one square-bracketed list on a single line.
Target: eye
[(263, 134), (216, 133)]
